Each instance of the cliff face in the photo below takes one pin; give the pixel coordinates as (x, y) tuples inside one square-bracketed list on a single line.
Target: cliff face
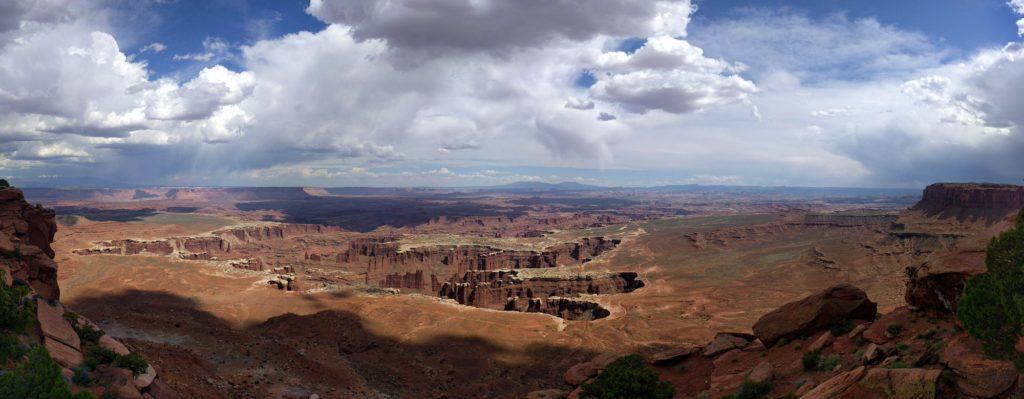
[(381, 256), (205, 247), (70, 340), (25, 235), (990, 202), (505, 290)]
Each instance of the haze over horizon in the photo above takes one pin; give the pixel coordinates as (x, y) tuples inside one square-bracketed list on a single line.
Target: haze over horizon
[(460, 93)]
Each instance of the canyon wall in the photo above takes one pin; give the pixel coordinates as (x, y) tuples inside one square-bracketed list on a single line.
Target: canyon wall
[(990, 202), (218, 244), (26, 232), (506, 290)]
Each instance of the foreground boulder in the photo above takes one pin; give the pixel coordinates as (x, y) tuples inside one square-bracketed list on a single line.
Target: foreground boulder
[(814, 313), (902, 383), (975, 374), (582, 372)]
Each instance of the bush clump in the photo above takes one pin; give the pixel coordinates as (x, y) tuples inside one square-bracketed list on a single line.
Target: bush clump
[(132, 361), (86, 332), (628, 377), (16, 313), (38, 377), (96, 355), (751, 390), (811, 359), (992, 305)]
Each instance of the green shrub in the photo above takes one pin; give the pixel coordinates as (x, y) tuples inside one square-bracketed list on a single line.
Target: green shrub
[(4, 183), (96, 355), (132, 361), (751, 390), (82, 377), (830, 362), (12, 254), (86, 332), (38, 378), (16, 314), (894, 329), (10, 348), (628, 377), (992, 305), (899, 364), (811, 359)]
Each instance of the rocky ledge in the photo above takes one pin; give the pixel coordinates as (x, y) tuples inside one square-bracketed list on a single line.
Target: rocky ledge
[(86, 357)]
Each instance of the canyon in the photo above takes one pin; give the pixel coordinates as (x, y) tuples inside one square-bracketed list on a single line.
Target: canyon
[(229, 295)]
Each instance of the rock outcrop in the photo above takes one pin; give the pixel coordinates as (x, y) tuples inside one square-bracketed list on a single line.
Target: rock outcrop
[(937, 283), (71, 340), (814, 313), (507, 290), (26, 232), (989, 202)]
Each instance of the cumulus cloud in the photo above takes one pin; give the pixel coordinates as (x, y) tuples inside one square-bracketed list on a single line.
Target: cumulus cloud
[(667, 74), (215, 87), (499, 26), (1018, 6), (835, 47), (420, 87)]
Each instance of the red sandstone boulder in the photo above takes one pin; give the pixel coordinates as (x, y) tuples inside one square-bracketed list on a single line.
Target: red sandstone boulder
[(144, 380), (118, 381), (673, 356), (53, 324), (814, 313), (582, 372), (823, 341), (879, 330), (835, 386), (725, 342), (761, 373), (64, 355), (975, 374), (109, 342), (902, 383)]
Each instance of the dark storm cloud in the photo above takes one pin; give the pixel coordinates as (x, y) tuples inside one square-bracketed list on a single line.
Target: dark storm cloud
[(488, 25)]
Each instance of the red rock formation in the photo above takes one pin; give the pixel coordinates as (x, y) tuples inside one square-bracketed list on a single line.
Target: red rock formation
[(814, 313), (25, 235), (938, 282), (504, 290), (971, 200), (206, 247), (381, 257)]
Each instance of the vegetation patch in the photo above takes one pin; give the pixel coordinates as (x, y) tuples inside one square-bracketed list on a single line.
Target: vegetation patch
[(38, 377), (751, 390), (992, 306), (628, 377)]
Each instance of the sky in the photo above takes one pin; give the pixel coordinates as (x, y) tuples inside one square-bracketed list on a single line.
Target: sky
[(864, 93)]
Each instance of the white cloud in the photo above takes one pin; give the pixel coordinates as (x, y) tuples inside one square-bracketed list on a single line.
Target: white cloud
[(214, 49), (1018, 7), (213, 88), (416, 92), (155, 47), (834, 47)]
